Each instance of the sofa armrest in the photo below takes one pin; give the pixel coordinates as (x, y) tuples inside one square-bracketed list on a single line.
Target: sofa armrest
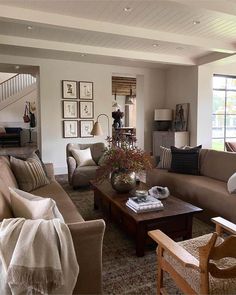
[(88, 240), (50, 171), (71, 165)]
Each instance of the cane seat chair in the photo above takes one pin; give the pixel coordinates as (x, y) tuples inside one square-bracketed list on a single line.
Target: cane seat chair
[(202, 265)]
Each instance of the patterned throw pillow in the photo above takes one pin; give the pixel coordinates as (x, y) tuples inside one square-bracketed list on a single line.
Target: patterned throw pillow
[(165, 160), (29, 173)]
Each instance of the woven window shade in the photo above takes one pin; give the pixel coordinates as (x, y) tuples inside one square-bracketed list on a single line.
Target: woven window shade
[(122, 85)]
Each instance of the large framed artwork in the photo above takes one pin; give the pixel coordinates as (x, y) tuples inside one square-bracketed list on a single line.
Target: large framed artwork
[(70, 109), (85, 90), (86, 127), (69, 89), (86, 110), (181, 117), (70, 129)]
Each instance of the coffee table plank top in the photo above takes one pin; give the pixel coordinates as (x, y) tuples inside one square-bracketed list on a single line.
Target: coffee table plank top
[(172, 205)]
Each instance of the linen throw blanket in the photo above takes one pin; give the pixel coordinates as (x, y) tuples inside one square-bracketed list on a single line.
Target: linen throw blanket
[(36, 257)]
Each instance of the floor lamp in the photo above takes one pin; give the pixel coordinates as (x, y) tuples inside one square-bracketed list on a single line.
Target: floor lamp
[(97, 128)]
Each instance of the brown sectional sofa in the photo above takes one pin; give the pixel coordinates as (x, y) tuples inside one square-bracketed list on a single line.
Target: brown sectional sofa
[(87, 235), (207, 190)]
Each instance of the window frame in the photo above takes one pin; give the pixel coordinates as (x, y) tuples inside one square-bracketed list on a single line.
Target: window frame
[(225, 114)]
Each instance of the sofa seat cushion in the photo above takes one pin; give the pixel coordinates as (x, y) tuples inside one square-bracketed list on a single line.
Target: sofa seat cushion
[(201, 191), (83, 175), (64, 203), (192, 276)]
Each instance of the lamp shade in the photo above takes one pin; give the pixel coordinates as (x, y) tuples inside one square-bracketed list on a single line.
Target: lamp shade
[(97, 129), (163, 115)]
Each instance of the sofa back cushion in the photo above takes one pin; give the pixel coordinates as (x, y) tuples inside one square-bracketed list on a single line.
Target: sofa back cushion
[(5, 211), (6, 173), (217, 164)]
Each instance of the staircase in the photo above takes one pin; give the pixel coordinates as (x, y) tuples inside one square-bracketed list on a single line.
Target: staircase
[(16, 88)]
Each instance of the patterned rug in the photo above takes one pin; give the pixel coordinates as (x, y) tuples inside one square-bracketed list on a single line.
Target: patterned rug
[(123, 271)]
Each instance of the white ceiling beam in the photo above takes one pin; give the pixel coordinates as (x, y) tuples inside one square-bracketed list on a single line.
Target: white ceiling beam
[(103, 51), (209, 58), (211, 5), (67, 22)]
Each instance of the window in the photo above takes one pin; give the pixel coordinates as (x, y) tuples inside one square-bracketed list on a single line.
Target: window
[(224, 111)]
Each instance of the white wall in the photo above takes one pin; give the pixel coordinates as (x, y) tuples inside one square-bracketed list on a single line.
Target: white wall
[(12, 116), (205, 94), (181, 87), (149, 96), (5, 76)]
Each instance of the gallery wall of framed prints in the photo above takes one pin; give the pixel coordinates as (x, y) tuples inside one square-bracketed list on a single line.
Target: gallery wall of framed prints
[(76, 114)]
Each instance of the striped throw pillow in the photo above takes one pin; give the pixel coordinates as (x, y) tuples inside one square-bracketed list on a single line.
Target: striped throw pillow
[(29, 173), (165, 158)]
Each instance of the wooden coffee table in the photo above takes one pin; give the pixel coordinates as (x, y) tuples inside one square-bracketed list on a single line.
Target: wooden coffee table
[(175, 220)]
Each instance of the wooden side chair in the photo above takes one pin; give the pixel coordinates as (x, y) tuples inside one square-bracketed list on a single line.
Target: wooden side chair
[(202, 265)]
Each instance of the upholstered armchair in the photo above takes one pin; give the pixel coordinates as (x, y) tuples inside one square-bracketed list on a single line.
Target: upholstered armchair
[(80, 174), (203, 265)]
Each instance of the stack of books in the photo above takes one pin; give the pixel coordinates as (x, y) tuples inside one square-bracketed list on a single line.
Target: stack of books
[(144, 203)]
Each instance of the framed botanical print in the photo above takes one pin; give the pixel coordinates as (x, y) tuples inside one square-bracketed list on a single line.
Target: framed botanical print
[(85, 90), (70, 109), (86, 127), (69, 89), (70, 129), (86, 110)]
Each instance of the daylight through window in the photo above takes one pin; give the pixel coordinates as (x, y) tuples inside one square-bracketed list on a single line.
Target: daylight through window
[(224, 111)]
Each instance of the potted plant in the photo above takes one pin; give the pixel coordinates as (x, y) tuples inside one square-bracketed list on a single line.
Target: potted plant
[(120, 164)]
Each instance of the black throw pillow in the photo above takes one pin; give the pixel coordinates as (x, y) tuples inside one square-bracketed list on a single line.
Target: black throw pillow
[(185, 161)]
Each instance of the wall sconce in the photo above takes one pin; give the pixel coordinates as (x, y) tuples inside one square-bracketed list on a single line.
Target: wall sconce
[(163, 117), (97, 128)]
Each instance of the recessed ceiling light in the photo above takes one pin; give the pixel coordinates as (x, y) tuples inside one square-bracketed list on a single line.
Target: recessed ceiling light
[(127, 9), (196, 22), (17, 67), (83, 54), (29, 27), (155, 45)]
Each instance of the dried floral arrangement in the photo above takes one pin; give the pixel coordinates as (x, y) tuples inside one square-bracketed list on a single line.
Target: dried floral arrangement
[(122, 157)]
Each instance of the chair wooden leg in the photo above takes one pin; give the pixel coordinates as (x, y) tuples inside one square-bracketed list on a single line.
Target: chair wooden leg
[(159, 271)]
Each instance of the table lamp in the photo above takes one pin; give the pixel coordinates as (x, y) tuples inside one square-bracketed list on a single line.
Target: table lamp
[(163, 118)]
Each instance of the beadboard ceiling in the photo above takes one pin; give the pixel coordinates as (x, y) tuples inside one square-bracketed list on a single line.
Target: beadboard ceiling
[(156, 33)]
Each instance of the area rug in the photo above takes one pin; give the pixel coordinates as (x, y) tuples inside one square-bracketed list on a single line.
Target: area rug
[(123, 271)]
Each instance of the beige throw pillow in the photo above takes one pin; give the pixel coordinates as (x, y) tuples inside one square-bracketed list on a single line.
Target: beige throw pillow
[(29, 206), (29, 173), (83, 157), (231, 184)]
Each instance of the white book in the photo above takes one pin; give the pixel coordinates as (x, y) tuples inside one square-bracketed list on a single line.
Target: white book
[(145, 209), (139, 202)]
